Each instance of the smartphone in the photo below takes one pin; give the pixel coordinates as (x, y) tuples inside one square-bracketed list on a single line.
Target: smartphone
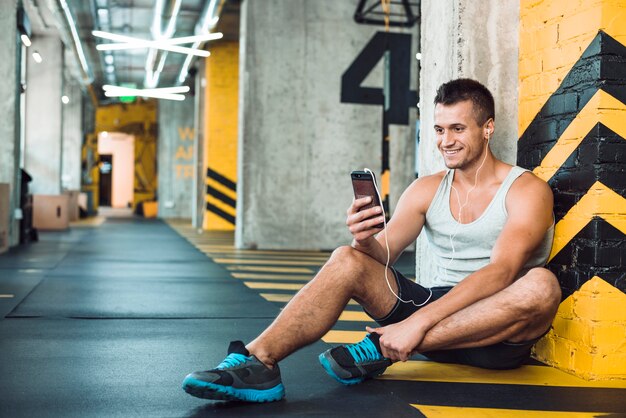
[(363, 185)]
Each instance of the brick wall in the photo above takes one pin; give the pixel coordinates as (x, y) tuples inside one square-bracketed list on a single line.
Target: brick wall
[(572, 86)]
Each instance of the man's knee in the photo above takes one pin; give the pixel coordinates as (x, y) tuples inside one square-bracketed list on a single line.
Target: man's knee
[(541, 290), (349, 259)]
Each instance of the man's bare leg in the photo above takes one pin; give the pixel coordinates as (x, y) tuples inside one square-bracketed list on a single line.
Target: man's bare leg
[(317, 306), (520, 312)]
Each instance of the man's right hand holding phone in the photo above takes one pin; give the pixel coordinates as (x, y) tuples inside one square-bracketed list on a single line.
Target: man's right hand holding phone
[(364, 224)]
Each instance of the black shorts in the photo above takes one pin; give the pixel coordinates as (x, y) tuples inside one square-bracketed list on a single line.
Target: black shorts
[(502, 355)]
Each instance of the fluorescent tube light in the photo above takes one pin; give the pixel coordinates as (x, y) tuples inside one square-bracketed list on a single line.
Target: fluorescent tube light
[(170, 93), (128, 42), (25, 40)]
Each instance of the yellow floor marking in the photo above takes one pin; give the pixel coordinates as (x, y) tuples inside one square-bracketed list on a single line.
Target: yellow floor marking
[(270, 277), (88, 222), (232, 250), (271, 269), (431, 411), (276, 297), (430, 371), (355, 316), (277, 262), (343, 337), (282, 297), (7, 296), (277, 286), (312, 260)]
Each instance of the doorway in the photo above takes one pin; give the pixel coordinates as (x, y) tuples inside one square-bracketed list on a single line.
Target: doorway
[(106, 179), (120, 148)]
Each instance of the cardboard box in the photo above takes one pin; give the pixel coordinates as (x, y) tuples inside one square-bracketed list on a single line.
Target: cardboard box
[(72, 208), (5, 215), (51, 212)]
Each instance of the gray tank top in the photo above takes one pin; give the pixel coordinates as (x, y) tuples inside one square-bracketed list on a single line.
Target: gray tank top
[(474, 241)]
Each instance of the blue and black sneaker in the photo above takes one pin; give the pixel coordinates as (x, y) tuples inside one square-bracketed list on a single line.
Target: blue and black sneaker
[(239, 377), (353, 363)]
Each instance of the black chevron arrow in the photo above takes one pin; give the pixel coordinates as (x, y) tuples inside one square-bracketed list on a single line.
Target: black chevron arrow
[(601, 66)]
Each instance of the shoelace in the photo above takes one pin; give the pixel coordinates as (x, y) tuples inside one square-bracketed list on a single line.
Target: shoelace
[(232, 360), (364, 351)]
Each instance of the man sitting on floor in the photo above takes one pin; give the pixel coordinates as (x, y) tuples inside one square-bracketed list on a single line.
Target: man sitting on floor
[(489, 226)]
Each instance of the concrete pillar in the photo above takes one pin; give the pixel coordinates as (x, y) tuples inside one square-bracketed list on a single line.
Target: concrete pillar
[(72, 135), (9, 109), (44, 116), (479, 40), (298, 142), (175, 158), (572, 75), (199, 163)]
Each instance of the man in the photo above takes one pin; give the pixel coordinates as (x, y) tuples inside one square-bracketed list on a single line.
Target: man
[(489, 226)]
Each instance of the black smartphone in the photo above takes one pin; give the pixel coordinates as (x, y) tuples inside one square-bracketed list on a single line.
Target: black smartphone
[(363, 185)]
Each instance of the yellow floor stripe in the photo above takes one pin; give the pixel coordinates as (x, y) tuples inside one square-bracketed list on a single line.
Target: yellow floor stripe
[(88, 222), (271, 269), (276, 262), (7, 296), (275, 286), (311, 260), (430, 371), (431, 411), (357, 316), (270, 276), (230, 249), (343, 337), (282, 297)]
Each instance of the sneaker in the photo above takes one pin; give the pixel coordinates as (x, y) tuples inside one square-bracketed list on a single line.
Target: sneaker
[(353, 363), (239, 377)]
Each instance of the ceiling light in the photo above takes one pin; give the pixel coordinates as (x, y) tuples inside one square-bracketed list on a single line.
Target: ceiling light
[(37, 57), (109, 69), (108, 59), (103, 15), (25, 40), (170, 93), (65, 99), (128, 42), (418, 56)]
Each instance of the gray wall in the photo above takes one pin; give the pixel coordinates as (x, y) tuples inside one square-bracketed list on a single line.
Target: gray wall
[(44, 116), (297, 141), (462, 38), (72, 135), (9, 109), (176, 142)]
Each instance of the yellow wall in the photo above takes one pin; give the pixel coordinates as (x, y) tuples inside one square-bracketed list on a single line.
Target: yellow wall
[(572, 100), (139, 120), (222, 87)]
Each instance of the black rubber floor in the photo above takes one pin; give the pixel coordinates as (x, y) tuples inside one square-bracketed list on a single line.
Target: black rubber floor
[(107, 322)]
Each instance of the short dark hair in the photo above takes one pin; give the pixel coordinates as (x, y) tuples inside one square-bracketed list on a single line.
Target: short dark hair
[(462, 89)]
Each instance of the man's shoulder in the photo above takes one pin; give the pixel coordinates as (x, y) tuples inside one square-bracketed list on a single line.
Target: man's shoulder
[(528, 187)]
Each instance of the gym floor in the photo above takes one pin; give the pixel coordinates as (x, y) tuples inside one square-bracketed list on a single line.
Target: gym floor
[(106, 321)]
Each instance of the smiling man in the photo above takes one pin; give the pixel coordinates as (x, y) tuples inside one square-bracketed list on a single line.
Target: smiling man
[(489, 226)]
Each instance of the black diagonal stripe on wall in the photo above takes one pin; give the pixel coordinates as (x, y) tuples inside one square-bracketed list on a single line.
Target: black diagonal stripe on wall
[(211, 191), (602, 65), (224, 181), (601, 156), (585, 256), (219, 212)]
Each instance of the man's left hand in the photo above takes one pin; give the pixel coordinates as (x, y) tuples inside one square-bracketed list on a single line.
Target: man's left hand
[(398, 341)]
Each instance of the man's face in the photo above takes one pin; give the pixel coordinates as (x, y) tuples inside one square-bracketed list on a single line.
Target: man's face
[(460, 139)]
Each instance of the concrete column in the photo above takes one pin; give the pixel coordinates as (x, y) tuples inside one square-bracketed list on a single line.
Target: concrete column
[(199, 186), (297, 141), (479, 40), (175, 158), (9, 109), (44, 116), (72, 135)]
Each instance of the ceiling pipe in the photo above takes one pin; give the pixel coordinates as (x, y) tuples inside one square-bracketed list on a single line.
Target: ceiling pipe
[(206, 23), (163, 27), (66, 24)]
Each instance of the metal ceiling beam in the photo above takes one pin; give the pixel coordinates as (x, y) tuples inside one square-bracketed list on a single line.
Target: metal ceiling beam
[(163, 27)]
